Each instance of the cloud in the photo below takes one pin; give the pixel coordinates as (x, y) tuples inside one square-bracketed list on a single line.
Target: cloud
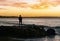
[(24, 4), (3, 9), (21, 4), (3, 0)]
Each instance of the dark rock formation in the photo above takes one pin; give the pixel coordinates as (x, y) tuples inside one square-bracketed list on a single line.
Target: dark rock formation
[(27, 31), (23, 31), (50, 32)]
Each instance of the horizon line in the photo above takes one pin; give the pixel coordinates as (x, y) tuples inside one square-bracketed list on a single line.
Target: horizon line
[(30, 17)]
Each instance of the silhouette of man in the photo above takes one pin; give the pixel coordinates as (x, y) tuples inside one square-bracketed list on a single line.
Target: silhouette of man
[(20, 20)]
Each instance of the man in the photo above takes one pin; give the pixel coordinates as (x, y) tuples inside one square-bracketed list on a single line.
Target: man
[(20, 20)]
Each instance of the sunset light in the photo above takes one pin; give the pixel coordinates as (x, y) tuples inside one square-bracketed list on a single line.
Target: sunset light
[(30, 8)]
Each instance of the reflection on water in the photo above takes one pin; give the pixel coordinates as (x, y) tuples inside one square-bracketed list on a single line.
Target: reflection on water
[(50, 38)]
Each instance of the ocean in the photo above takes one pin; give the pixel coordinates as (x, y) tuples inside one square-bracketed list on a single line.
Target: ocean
[(37, 21)]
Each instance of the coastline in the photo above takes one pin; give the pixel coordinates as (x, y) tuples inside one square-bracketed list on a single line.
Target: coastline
[(25, 31)]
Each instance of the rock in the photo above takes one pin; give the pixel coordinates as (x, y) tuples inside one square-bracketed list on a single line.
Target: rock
[(50, 32)]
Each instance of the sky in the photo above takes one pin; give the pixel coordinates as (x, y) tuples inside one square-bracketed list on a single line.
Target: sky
[(30, 8)]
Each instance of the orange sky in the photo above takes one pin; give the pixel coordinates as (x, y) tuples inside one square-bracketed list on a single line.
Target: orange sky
[(30, 8)]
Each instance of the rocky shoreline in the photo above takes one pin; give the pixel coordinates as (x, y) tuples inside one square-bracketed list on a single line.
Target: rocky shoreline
[(26, 31)]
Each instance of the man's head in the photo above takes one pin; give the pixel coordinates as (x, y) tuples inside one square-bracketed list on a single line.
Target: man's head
[(19, 15)]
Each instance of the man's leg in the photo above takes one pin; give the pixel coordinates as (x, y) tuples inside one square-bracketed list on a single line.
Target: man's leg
[(21, 22)]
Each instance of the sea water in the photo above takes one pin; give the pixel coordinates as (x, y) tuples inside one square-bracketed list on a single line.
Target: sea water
[(36, 21)]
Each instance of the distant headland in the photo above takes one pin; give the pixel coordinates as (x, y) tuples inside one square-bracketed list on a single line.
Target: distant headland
[(29, 17)]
